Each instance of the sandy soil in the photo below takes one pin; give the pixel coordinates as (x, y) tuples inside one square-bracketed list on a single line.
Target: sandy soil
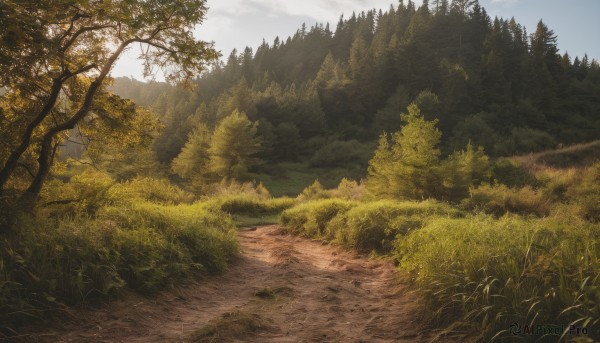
[(311, 293)]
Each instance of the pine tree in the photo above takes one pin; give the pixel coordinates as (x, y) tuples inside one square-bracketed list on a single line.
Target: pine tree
[(234, 147), (192, 162), (463, 170), (406, 168)]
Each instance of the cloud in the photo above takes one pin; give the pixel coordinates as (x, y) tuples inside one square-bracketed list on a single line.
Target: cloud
[(505, 2), (320, 10)]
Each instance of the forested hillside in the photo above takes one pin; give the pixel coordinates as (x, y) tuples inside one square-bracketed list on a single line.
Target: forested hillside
[(487, 80)]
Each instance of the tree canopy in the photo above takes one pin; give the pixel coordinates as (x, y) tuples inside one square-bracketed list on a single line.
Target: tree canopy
[(55, 59)]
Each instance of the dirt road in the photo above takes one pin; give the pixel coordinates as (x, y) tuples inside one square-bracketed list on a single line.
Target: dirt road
[(284, 289)]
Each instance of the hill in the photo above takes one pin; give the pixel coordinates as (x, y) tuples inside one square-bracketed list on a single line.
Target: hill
[(486, 80)]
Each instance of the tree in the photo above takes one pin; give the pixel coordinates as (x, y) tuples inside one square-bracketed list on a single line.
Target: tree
[(63, 51), (407, 165), (462, 170), (192, 163), (234, 146)]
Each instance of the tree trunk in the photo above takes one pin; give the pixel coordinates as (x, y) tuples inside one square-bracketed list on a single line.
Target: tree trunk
[(45, 156), (13, 158)]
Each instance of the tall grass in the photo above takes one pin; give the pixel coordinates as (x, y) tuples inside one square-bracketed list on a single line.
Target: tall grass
[(364, 226), (144, 235), (509, 270)]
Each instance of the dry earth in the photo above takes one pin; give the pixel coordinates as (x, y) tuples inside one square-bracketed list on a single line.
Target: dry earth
[(283, 289)]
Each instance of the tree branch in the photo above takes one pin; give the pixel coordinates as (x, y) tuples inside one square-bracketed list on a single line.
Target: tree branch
[(45, 155), (24, 166), (81, 70), (82, 31)]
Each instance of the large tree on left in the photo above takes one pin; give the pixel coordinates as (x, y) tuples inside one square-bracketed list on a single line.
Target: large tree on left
[(56, 56)]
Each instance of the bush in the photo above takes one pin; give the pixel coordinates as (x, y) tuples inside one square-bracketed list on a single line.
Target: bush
[(500, 199), (313, 192), (534, 271), (374, 226), (86, 192), (249, 205), (362, 226), (310, 219), (154, 190), (511, 174), (349, 190)]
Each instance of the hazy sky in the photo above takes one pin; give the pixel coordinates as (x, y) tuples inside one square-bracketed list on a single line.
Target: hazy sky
[(240, 23)]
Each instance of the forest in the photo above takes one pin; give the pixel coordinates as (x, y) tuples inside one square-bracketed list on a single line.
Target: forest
[(421, 135)]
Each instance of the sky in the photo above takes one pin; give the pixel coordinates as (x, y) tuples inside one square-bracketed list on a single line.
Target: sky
[(239, 23)]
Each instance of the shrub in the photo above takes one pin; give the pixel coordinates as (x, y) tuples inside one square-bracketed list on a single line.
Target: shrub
[(154, 190), (374, 226), (511, 174), (313, 192), (500, 199), (232, 188), (349, 190), (362, 226), (252, 206), (310, 219), (86, 192)]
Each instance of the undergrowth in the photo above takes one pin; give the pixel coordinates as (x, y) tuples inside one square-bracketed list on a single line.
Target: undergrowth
[(527, 253), (101, 237)]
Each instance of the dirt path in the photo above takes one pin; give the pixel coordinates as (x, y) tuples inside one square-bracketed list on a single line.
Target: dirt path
[(284, 289)]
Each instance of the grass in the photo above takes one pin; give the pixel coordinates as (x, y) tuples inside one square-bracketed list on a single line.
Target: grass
[(535, 261), (251, 221), (579, 155), (364, 226), (495, 272), (289, 179), (141, 235)]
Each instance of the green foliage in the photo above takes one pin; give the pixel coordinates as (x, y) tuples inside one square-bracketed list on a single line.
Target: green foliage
[(311, 218), (47, 104), (500, 199), (462, 170), (140, 234), (374, 226), (371, 226), (249, 205), (193, 161), (148, 189), (349, 190), (313, 192), (233, 147), (480, 77), (523, 140), (337, 153), (404, 167), (499, 271)]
